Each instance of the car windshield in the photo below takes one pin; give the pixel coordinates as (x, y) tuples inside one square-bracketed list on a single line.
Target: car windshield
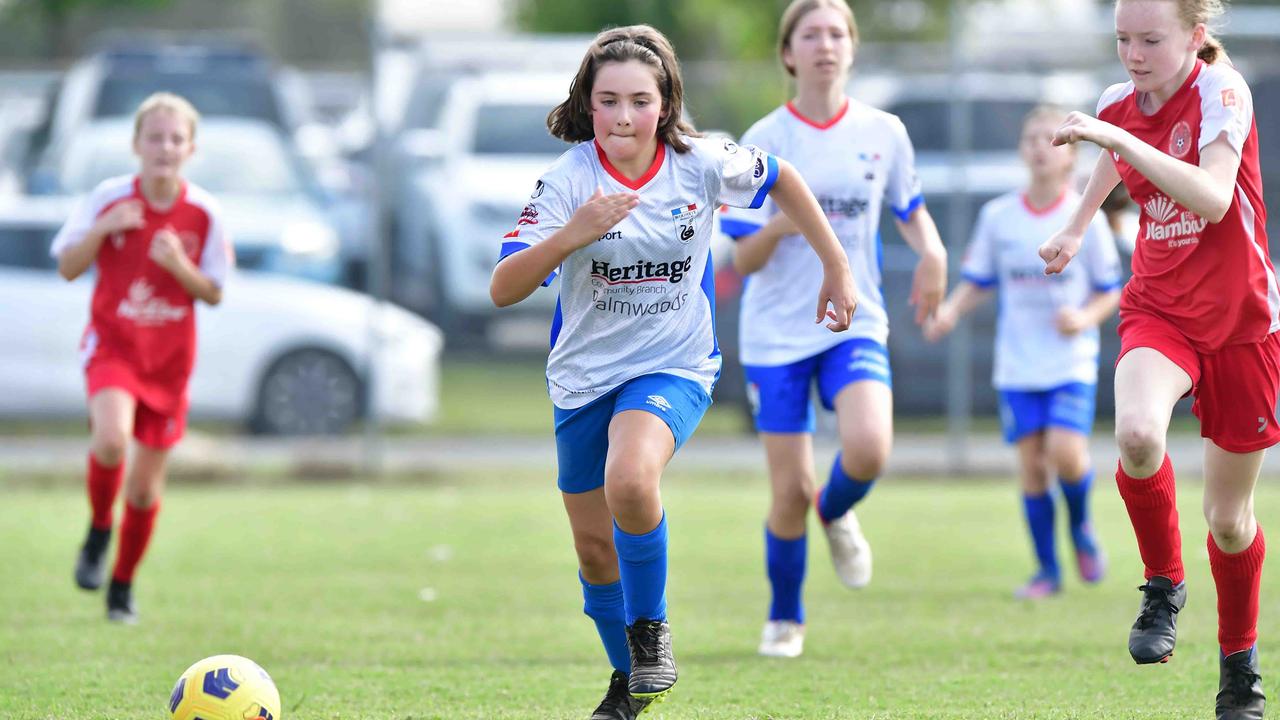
[(515, 129), (996, 124), (27, 247), (227, 160), (233, 95)]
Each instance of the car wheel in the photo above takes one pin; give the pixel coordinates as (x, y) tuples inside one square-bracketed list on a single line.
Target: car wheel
[(308, 392)]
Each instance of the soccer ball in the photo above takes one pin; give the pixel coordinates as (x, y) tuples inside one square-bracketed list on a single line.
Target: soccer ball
[(225, 687)]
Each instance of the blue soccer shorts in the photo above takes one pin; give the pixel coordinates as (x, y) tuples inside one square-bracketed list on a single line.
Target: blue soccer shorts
[(1068, 406), (582, 434), (780, 395)]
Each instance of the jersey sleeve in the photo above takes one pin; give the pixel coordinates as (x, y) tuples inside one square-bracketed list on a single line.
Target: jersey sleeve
[(1226, 108), (902, 191), (746, 173), (83, 215), (1102, 260), (738, 222), (549, 209), (218, 258), (979, 264)]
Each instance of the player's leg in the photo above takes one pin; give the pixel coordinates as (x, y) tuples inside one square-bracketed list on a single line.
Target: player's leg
[(855, 381), (784, 417), (1148, 384), (653, 416), (1039, 513), (143, 488), (111, 413), (1071, 415)]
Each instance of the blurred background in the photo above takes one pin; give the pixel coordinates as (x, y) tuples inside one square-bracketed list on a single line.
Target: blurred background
[(370, 154)]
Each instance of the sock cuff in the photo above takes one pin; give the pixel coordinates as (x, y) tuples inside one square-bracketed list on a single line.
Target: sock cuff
[(96, 467), (770, 537), (641, 548), (615, 586), (838, 473), (1079, 484), (134, 510), (1245, 562), (1147, 493)]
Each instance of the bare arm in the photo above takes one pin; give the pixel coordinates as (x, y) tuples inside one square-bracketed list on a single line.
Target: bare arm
[(1058, 250), (929, 283), (75, 259), (795, 201), (962, 300), (166, 250), (751, 252), (1101, 306)]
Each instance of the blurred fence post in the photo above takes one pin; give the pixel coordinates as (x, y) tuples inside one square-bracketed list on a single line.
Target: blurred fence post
[(960, 349), (377, 268)]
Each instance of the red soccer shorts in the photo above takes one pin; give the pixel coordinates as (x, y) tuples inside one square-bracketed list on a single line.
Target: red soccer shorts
[(151, 427), (1235, 389)]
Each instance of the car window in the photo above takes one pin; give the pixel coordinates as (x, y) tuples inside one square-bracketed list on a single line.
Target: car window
[(233, 95), (515, 129), (27, 247), (225, 162), (426, 103), (997, 124)]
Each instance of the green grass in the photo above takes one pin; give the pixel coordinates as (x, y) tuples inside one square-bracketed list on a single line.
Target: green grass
[(324, 585)]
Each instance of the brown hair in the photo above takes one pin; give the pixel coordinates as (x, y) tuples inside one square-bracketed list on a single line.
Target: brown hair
[(797, 10), (571, 119), (166, 101), (1195, 12)]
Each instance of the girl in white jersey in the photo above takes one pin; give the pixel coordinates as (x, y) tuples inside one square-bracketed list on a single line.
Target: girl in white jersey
[(1200, 316), (626, 219), (1046, 361), (856, 159)]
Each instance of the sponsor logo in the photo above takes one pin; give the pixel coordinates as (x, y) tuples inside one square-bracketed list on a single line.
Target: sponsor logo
[(537, 190), (1262, 424), (843, 206), (641, 271), (1180, 139), (142, 307), (611, 235), (1169, 223), (528, 216), (639, 308), (1228, 97), (759, 171), (659, 402)]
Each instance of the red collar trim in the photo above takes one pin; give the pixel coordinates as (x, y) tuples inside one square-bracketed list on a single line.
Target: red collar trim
[(1026, 203), (813, 123), (616, 174), (182, 195)]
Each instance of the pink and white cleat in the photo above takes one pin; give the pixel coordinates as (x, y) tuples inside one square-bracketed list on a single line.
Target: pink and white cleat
[(1038, 588)]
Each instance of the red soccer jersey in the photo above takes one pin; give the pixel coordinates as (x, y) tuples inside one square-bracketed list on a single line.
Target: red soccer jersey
[(141, 316), (1215, 282)]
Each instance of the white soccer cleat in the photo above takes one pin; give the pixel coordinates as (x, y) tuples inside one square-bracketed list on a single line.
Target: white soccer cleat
[(782, 638), (850, 551)]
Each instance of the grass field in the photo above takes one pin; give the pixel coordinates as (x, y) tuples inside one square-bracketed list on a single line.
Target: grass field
[(456, 598)]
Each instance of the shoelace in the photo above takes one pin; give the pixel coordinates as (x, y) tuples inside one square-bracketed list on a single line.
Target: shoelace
[(1156, 599), (648, 642), (1240, 680)]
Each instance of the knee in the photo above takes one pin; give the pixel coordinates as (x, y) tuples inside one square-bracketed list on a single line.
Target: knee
[(142, 497), (1068, 463), (865, 460), (1229, 525), (1141, 442), (794, 496), (629, 484), (109, 447), (596, 556)]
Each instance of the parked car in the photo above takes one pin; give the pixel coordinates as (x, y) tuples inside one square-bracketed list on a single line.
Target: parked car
[(281, 356), (273, 210)]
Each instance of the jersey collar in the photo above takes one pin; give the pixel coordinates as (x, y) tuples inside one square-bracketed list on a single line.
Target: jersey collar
[(1191, 79), (616, 174), (814, 123), (1039, 212), (182, 195)]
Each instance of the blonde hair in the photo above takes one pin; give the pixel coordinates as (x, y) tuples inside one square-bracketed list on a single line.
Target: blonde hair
[(1195, 12), (1047, 111), (175, 104), (797, 10)]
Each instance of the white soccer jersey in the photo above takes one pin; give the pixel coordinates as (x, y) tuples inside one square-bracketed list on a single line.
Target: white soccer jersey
[(1030, 352), (641, 299), (855, 163)]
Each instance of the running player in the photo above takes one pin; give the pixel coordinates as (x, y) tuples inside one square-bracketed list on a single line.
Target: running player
[(856, 159), (1046, 359), (1198, 317), (625, 217), (158, 244)]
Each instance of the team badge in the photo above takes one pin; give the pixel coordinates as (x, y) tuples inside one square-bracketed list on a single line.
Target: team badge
[(1180, 139), (682, 218)]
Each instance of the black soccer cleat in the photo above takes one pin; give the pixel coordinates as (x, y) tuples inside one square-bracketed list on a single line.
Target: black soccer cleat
[(1155, 631), (618, 704), (1240, 687), (120, 606), (653, 668), (91, 564)]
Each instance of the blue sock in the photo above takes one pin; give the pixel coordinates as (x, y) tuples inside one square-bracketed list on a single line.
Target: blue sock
[(841, 493), (1076, 495), (1039, 511), (784, 560), (603, 604), (642, 561)]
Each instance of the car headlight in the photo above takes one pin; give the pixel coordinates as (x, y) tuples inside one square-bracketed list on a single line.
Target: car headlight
[(309, 238)]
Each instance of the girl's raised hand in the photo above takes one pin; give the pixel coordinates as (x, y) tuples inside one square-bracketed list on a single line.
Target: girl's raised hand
[(1058, 250), (599, 214)]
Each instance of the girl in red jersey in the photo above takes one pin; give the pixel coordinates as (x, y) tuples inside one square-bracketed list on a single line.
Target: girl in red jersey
[(158, 244), (1199, 316)]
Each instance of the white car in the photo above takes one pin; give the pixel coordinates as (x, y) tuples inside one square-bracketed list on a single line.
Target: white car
[(283, 356)]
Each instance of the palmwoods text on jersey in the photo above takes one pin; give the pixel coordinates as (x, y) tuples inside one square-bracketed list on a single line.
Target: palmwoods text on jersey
[(641, 288)]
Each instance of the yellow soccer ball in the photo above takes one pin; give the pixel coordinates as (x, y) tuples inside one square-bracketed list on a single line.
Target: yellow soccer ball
[(225, 687)]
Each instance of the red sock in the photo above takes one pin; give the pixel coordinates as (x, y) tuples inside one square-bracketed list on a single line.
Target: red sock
[(1154, 514), (135, 533), (1238, 577), (104, 485)]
